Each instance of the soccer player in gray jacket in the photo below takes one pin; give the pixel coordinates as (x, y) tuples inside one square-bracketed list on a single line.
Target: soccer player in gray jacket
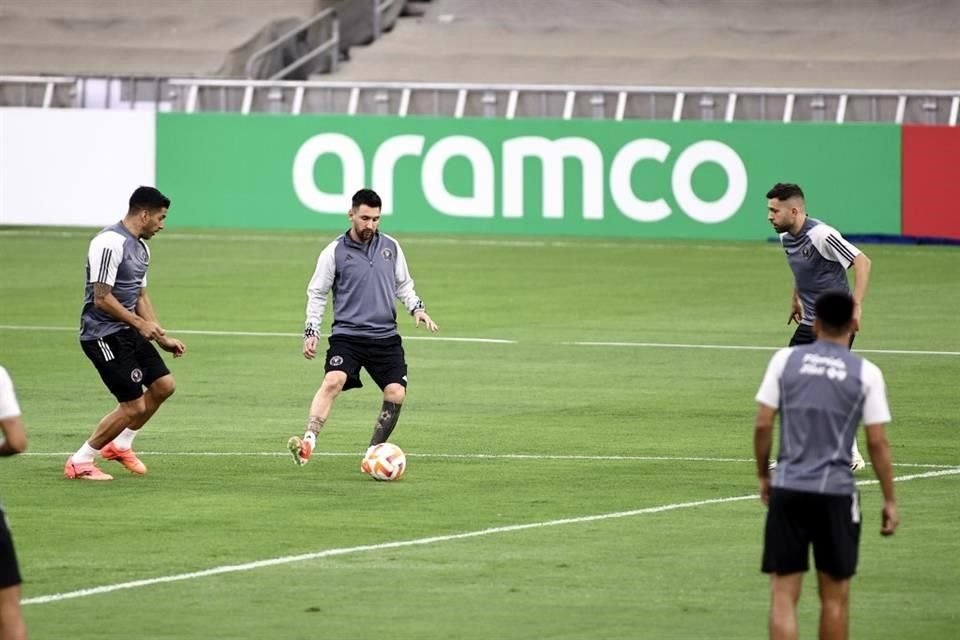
[(367, 273)]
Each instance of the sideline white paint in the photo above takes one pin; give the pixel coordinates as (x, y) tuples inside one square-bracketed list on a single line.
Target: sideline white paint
[(328, 553), (653, 345), (456, 456)]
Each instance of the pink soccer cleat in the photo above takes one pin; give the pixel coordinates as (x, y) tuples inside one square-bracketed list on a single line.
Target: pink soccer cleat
[(126, 457), (300, 450), (84, 471)]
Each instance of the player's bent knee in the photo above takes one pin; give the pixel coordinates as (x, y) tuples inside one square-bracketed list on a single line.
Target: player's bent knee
[(333, 382), (395, 393), (164, 387), (134, 409)]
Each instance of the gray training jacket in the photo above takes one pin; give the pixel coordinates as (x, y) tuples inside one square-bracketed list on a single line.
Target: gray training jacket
[(366, 280)]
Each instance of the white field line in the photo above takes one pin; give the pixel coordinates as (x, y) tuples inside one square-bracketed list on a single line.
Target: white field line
[(342, 551), (654, 345), (256, 334), (320, 238), (740, 347), (457, 456)]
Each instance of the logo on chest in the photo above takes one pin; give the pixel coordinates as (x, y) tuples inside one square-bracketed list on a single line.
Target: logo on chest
[(387, 254)]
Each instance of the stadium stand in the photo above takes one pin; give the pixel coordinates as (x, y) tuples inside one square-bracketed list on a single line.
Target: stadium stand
[(776, 43), (787, 60), (185, 38)]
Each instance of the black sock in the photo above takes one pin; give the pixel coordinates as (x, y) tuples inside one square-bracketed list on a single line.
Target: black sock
[(386, 421)]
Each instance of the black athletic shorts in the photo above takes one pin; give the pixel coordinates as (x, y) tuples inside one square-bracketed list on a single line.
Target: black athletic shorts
[(797, 519), (382, 358), (127, 363), (804, 335), (9, 571)]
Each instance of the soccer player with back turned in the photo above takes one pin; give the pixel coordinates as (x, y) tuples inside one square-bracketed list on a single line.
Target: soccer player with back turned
[(819, 258), (367, 273), (822, 391)]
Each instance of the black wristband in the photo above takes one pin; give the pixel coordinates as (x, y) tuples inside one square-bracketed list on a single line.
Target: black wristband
[(310, 332)]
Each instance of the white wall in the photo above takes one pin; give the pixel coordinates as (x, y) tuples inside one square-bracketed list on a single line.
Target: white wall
[(73, 167)]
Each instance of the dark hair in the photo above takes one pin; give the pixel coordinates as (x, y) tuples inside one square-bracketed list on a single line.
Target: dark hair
[(785, 191), (148, 198), (834, 310), (368, 197)]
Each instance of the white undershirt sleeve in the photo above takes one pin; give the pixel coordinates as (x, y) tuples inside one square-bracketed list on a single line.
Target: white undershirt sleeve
[(769, 392), (876, 409), (405, 291), (8, 399), (320, 284)]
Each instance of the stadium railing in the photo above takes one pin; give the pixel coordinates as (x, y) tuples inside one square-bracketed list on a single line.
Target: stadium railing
[(725, 104)]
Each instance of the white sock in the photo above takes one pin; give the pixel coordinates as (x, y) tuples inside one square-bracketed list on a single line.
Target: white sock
[(124, 441), (311, 437), (86, 453)]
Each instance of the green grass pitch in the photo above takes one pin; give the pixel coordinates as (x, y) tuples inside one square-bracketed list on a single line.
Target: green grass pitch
[(534, 430)]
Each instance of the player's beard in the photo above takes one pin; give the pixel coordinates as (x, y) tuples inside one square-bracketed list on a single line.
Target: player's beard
[(366, 234)]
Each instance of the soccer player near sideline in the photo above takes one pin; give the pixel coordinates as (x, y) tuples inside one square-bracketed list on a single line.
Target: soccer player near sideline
[(12, 626), (822, 391), (819, 258), (367, 272), (116, 326)]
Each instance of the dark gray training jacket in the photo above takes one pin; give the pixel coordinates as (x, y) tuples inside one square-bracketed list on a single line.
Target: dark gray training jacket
[(366, 280)]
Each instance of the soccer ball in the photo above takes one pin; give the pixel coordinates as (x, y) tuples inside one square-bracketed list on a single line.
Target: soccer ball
[(385, 461)]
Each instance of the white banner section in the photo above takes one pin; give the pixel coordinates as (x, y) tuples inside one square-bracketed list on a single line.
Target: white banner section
[(73, 167)]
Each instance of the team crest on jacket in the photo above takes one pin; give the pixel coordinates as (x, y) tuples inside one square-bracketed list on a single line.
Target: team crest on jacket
[(807, 251), (387, 254)]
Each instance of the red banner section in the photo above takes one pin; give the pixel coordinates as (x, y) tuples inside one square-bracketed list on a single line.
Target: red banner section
[(931, 181)]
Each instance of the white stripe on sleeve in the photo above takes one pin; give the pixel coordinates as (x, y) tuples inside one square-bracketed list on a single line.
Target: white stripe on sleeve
[(104, 256)]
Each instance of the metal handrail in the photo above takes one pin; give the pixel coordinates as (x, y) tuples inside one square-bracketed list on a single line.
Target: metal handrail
[(578, 88), (380, 7), (332, 43), (726, 100), (283, 39), (38, 79)]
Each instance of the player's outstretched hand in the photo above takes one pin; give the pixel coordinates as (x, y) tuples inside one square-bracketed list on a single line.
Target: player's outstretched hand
[(889, 519), (310, 347), (421, 316), (172, 345)]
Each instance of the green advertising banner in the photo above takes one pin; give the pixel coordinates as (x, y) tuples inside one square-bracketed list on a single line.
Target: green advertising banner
[(535, 177)]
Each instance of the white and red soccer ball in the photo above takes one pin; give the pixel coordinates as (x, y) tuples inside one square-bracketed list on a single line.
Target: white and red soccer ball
[(385, 461)]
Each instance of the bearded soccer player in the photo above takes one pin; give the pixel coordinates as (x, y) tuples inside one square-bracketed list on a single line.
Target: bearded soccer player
[(366, 271), (819, 258), (117, 325)]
